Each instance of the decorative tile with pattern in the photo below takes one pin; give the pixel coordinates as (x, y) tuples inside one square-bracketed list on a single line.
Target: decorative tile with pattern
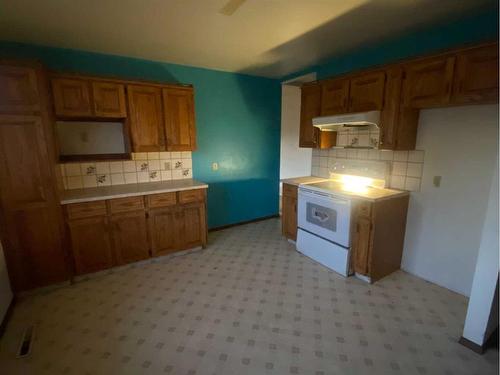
[(248, 304)]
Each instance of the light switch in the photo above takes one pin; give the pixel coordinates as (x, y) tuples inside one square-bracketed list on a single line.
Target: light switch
[(436, 181), (215, 166)]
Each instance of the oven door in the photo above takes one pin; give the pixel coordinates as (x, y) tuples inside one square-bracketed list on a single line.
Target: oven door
[(325, 215)]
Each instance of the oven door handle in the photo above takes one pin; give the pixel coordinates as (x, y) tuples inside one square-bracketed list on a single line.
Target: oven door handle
[(324, 197)]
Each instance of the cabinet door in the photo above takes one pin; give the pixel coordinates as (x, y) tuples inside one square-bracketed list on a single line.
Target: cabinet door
[(71, 97), (178, 110), (192, 218), (29, 209), (428, 83), (289, 217), (130, 236), (476, 76), (19, 90), (91, 245), (362, 244), (310, 107), (146, 118), (367, 92), (109, 99), (334, 97), (164, 230)]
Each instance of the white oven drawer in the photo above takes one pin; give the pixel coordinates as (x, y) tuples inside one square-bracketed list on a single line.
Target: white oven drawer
[(327, 253), (324, 215)]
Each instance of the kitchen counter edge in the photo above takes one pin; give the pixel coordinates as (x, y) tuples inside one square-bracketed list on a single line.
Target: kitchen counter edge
[(128, 190)]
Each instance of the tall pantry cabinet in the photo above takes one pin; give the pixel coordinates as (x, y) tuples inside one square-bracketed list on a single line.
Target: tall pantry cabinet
[(31, 226)]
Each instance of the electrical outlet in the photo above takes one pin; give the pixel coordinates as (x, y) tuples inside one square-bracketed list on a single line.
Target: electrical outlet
[(436, 181), (215, 166)]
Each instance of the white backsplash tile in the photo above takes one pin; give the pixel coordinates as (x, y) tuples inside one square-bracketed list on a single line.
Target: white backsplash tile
[(116, 167), (406, 168), (144, 167)]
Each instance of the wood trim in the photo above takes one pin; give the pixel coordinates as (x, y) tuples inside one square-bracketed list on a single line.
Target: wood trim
[(222, 227), (114, 79), (92, 157), (479, 349)]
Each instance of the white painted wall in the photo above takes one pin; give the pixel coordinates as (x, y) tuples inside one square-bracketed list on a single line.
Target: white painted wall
[(486, 274), (445, 224), (5, 291), (294, 161)]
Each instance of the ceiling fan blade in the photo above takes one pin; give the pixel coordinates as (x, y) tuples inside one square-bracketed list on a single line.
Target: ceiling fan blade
[(231, 7)]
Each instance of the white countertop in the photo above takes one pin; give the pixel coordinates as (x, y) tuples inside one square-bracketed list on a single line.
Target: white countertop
[(369, 193), (129, 190), (303, 180)]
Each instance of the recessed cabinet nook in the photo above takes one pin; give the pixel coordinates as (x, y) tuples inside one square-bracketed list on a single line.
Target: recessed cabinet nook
[(46, 242), (399, 91)]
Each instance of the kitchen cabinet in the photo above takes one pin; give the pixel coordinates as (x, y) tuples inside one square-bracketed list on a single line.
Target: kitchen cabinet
[(118, 231), (289, 212), (310, 108), (398, 124), (31, 224), (19, 93), (476, 76), (378, 236), (178, 111), (164, 226), (309, 136), (90, 244), (367, 92), (428, 83), (109, 99), (146, 118), (334, 97), (71, 97), (130, 236)]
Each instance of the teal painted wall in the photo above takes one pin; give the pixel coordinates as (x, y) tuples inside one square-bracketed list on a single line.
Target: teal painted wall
[(237, 119), (482, 26)]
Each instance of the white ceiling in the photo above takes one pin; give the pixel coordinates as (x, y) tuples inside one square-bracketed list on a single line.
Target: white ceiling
[(263, 37)]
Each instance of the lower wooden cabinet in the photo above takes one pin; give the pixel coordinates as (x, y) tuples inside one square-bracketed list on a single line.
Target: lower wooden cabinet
[(289, 212), (130, 236), (91, 244), (164, 229), (124, 230), (378, 236)]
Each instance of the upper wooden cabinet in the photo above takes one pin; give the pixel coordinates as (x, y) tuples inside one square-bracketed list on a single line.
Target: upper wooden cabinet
[(399, 91), (71, 97), (146, 118), (428, 83), (334, 97), (109, 99), (178, 112), (19, 90), (310, 108), (476, 76), (367, 92)]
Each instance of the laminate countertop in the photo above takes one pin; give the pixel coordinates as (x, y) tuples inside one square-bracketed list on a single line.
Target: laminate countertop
[(326, 185), (128, 190), (303, 180)]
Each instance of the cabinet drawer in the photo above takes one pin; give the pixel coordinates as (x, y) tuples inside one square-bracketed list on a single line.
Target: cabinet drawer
[(290, 190), (188, 196), (364, 209), (161, 200), (87, 209), (126, 204)]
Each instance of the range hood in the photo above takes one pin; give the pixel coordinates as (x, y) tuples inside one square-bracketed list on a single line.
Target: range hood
[(336, 123)]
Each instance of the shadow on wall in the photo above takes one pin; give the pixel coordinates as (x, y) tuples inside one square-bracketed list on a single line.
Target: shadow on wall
[(446, 27)]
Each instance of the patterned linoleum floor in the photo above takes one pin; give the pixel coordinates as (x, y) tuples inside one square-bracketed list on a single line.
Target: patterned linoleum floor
[(248, 304)]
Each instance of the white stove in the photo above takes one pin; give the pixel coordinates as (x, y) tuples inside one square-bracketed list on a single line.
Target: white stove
[(324, 214)]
